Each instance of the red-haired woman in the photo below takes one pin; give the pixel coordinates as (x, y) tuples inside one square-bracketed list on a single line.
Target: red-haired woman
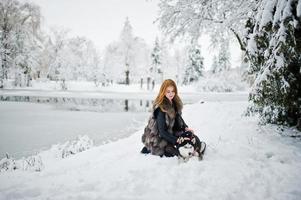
[(162, 134)]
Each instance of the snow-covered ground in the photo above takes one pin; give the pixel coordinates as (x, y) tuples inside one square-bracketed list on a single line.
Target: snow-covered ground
[(243, 161)]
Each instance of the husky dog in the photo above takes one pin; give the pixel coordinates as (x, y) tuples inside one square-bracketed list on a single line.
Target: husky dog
[(186, 150), (189, 147)]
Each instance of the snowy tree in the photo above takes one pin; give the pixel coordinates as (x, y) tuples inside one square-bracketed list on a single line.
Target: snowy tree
[(127, 42), (223, 59), (190, 17), (214, 66), (155, 69), (27, 60), (72, 58), (167, 60), (93, 61), (113, 61), (179, 62), (273, 39), (58, 66), (142, 58), (194, 65), (128, 56), (45, 58), (19, 38), (84, 59), (76, 52)]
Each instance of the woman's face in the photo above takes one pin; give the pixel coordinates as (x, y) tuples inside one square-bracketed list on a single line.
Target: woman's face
[(170, 93)]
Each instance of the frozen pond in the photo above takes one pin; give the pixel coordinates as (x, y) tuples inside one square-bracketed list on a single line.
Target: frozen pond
[(26, 128), (86, 104)]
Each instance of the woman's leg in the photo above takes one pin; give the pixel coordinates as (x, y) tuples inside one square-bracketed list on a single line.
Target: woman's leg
[(170, 151)]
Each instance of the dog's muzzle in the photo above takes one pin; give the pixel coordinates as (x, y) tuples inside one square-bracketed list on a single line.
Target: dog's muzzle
[(186, 149)]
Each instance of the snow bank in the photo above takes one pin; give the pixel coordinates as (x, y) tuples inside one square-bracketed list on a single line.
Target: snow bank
[(32, 163), (227, 81), (58, 151), (242, 161)]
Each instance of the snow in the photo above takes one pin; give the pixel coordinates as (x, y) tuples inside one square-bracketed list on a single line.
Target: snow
[(243, 161), (287, 11), (224, 81), (299, 9), (279, 61), (251, 46), (279, 11), (267, 13)]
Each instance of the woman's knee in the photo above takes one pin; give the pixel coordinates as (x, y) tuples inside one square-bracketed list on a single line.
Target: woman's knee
[(170, 151)]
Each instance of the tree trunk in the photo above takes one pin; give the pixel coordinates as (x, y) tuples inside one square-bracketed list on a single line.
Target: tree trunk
[(127, 79), (141, 83), (148, 83)]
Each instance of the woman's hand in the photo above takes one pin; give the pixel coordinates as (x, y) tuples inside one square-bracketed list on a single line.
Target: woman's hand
[(181, 139)]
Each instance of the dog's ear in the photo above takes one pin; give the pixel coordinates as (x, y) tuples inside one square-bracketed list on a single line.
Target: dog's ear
[(187, 134)]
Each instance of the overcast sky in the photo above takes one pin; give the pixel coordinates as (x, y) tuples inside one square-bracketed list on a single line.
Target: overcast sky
[(101, 20)]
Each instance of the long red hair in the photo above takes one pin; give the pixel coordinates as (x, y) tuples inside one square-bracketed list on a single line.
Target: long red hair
[(161, 96)]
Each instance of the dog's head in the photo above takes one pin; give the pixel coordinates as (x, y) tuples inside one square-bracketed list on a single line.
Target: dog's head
[(186, 148)]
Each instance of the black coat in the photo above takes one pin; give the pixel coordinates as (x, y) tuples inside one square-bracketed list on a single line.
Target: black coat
[(178, 126)]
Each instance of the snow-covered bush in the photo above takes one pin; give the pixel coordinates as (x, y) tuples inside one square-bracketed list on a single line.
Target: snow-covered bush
[(80, 144), (58, 151), (225, 81), (31, 163), (8, 164)]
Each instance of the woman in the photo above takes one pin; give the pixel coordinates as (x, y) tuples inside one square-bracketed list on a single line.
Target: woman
[(164, 129)]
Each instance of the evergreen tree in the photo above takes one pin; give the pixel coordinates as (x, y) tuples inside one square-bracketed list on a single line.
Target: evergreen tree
[(223, 58), (194, 65), (127, 40), (156, 60), (130, 54), (273, 40), (215, 66)]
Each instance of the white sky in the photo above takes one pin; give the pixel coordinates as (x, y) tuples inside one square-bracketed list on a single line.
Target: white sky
[(102, 21)]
